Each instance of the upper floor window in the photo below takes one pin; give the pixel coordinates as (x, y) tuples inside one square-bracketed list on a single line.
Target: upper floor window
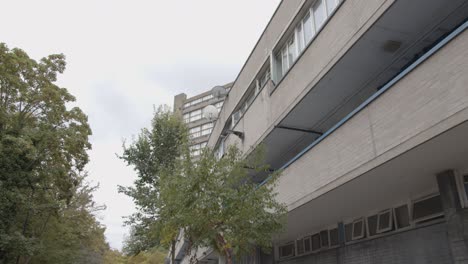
[(198, 100), (195, 150), (303, 33), (219, 105), (202, 130), (193, 116)]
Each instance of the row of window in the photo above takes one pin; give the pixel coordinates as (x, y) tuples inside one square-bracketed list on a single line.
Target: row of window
[(196, 149), (202, 130), (306, 29), (199, 100), (376, 224), (252, 92), (193, 116), (197, 114)]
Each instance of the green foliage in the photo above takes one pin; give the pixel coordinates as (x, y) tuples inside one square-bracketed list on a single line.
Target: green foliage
[(45, 204), (151, 153), (215, 201), (233, 213)]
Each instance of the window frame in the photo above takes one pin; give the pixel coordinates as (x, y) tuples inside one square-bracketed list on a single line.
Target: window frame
[(389, 228), (462, 192), (395, 221), (363, 230), (426, 218), (292, 31), (284, 245)]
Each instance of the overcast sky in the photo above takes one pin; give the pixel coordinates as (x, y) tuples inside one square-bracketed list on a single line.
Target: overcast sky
[(124, 57)]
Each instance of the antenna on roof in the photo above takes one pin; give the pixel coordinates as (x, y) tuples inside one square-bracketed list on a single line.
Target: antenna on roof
[(210, 112), (219, 92)]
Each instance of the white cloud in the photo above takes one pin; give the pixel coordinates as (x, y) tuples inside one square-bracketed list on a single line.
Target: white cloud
[(126, 56)]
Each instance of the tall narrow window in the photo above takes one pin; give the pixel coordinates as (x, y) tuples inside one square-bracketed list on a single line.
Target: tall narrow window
[(291, 52), (300, 37), (320, 14), (284, 60), (309, 31), (331, 4)]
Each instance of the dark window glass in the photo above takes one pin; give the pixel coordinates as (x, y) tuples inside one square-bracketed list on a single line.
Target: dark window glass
[(465, 183), (300, 246), (307, 246), (315, 242), (358, 230), (334, 237), (324, 238), (402, 216), (349, 232), (372, 224), (385, 221), (426, 208), (287, 250)]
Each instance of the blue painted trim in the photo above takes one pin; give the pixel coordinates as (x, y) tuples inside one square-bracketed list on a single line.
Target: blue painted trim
[(386, 87)]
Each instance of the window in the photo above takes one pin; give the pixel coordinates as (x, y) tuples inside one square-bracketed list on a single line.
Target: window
[(286, 250), (300, 246), (384, 221), (402, 216), (334, 237), (307, 244), (304, 31), (220, 149), (348, 232), (320, 14), (235, 118), (324, 238), (195, 132), (308, 29), (331, 5), (206, 129), (193, 116), (372, 225), (195, 150), (427, 209), (358, 229), (264, 78), (316, 242), (219, 105), (465, 184), (198, 100)]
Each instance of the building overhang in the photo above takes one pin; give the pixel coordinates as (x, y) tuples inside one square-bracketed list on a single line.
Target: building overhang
[(404, 32), (409, 176)]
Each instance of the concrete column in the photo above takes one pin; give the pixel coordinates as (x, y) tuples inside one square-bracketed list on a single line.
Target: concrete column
[(455, 215)]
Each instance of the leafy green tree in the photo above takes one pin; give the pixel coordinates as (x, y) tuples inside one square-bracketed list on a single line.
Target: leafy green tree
[(46, 208), (154, 150), (232, 213)]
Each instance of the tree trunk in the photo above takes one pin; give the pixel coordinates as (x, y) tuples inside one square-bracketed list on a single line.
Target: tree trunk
[(173, 251), (227, 250)]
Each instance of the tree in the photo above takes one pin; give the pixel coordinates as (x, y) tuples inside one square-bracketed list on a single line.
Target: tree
[(233, 213), (46, 208), (154, 150)]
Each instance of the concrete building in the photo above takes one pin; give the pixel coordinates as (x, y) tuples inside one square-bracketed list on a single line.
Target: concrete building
[(191, 111), (364, 106)]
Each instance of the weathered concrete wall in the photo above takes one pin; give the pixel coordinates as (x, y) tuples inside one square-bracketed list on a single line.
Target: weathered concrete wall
[(418, 246)]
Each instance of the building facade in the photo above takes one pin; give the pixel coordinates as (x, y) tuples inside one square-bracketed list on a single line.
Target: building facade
[(363, 105), (191, 111)]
